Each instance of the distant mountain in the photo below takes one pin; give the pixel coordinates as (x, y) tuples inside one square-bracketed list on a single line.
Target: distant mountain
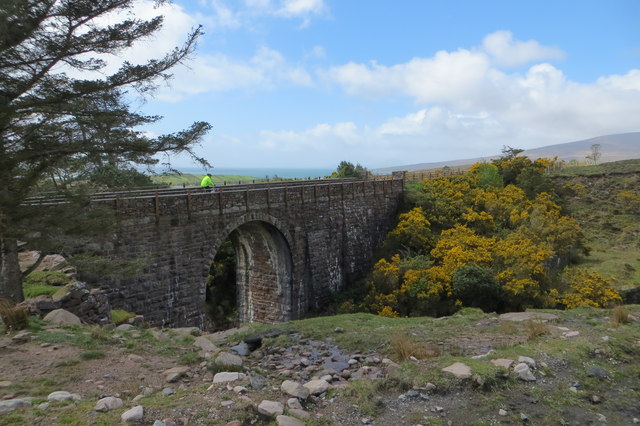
[(612, 148)]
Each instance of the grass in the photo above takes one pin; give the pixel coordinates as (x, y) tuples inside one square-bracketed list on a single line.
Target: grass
[(194, 180)]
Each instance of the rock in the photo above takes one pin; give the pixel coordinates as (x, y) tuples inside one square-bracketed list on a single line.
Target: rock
[(5, 383), (174, 374), (502, 412), (299, 413), (107, 404), (503, 362), (282, 420), (227, 376), (23, 337), (528, 316), (569, 334), (135, 358), (10, 405), (430, 387), (133, 415), (597, 371), (61, 396), (168, 391), (257, 382), (62, 317), (270, 408), (294, 389), (294, 403), (458, 369), (241, 349), (529, 361), (524, 373), (227, 359), (316, 387), (125, 327), (206, 344)]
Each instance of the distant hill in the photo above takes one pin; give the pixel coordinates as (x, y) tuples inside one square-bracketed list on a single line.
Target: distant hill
[(612, 147)]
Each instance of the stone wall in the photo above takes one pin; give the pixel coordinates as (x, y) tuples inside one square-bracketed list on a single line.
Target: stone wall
[(295, 245)]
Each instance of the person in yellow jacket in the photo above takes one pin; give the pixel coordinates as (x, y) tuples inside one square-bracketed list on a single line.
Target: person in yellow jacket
[(206, 183)]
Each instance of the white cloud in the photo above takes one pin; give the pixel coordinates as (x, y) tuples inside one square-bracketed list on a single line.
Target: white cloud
[(469, 114), (505, 51)]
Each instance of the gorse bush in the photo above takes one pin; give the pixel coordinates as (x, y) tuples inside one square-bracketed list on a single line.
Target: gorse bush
[(494, 238)]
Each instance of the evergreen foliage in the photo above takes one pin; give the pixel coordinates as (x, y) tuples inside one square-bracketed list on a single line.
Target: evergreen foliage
[(64, 117)]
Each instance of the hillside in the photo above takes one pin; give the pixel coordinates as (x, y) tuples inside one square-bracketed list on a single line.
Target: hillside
[(613, 148), (596, 198)]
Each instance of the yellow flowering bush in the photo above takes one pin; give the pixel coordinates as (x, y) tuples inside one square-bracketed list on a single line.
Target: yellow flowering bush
[(589, 289)]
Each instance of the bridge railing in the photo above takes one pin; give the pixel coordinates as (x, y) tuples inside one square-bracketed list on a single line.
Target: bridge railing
[(177, 192)]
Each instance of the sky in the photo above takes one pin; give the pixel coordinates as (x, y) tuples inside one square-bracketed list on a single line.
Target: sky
[(310, 83)]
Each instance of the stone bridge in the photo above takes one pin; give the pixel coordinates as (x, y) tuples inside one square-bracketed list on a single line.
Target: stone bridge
[(295, 243)]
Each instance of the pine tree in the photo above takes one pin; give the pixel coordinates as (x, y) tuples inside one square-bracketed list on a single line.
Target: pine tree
[(51, 120)]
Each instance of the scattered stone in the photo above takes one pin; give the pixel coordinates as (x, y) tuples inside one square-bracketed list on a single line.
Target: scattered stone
[(528, 316), (61, 396), (569, 334), (168, 391), (125, 327), (227, 359), (299, 413), (228, 376), (524, 417), (484, 355), (10, 405), (240, 389), (270, 408), (174, 374), (107, 404), (458, 369), (135, 358), (316, 387), (596, 399), (295, 389), (133, 415), (597, 371), (430, 387), (503, 362), (227, 403), (241, 349), (529, 361), (257, 382), (294, 403), (524, 372), (206, 345), (283, 420), (573, 389), (23, 337), (502, 412), (62, 317)]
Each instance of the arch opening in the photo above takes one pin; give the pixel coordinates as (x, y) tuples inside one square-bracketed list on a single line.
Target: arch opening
[(221, 303), (261, 284)]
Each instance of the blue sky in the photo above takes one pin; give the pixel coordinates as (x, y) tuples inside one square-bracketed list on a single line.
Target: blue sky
[(309, 83)]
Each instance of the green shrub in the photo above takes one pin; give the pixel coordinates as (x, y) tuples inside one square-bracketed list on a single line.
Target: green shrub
[(120, 316), (476, 287)]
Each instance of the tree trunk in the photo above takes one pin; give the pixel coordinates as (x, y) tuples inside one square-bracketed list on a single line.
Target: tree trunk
[(10, 274)]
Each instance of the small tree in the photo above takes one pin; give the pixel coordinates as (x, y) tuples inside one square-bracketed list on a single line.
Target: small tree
[(346, 170), (595, 155)]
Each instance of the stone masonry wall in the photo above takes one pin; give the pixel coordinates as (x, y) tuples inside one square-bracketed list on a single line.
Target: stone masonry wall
[(315, 237)]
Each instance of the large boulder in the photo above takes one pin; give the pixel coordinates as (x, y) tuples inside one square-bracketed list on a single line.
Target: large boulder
[(62, 317)]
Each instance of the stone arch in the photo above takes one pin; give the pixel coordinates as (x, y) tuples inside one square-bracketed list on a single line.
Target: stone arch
[(264, 268)]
